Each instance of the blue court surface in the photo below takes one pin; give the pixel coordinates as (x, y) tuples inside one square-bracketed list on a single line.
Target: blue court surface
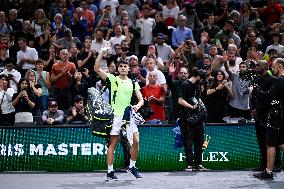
[(163, 180)]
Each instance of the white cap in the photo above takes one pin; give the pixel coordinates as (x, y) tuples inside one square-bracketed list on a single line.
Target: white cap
[(133, 56)]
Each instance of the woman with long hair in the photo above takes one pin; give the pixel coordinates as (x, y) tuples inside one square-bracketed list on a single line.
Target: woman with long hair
[(39, 22), (245, 16), (50, 57), (219, 92), (23, 102), (7, 111), (35, 90)]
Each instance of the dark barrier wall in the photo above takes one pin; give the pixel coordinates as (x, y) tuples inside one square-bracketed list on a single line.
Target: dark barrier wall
[(65, 148)]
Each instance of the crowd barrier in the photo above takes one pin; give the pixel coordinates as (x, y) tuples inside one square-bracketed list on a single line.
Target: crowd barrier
[(73, 148)]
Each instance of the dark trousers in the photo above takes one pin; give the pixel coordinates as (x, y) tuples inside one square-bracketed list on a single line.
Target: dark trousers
[(63, 98), (192, 135), (7, 119), (260, 129)]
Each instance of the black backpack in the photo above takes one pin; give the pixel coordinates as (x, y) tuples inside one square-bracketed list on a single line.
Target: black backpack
[(100, 114)]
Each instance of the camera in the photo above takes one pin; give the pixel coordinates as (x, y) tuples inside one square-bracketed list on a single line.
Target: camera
[(10, 76)]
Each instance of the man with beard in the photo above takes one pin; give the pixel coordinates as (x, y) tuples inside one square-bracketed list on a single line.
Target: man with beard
[(189, 100), (239, 106), (233, 61), (165, 51), (275, 129), (260, 111), (98, 43), (53, 116), (125, 48), (228, 32), (175, 87)]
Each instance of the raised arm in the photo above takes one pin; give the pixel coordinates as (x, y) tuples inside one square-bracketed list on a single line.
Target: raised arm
[(97, 66), (228, 69)]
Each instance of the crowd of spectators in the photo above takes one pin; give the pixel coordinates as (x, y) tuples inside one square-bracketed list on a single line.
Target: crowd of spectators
[(48, 50)]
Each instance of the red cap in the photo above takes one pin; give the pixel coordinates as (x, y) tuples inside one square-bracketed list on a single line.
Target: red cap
[(3, 46)]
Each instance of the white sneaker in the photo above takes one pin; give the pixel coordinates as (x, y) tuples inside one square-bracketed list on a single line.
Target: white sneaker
[(200, 168), (189, 168)]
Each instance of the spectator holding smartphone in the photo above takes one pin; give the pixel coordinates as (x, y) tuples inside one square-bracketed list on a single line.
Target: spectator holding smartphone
[(23, 102), (13, 75)]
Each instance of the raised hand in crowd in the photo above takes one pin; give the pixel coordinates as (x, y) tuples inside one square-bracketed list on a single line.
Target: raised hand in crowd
[(204, 37), (172, 69)]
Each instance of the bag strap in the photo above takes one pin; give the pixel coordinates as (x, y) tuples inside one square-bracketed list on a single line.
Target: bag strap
[(281, 109), (133, 87)]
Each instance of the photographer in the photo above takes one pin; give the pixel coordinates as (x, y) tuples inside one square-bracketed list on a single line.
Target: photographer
[(192, 132)]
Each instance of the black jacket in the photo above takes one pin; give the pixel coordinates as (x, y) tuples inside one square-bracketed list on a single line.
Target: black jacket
[(275, 94), (264, 84)]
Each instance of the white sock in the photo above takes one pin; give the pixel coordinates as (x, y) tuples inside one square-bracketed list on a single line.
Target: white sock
[(132, 163), (266, 170), (109, 168)]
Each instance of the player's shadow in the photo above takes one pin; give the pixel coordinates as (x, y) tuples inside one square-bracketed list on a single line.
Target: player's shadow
[(182, 173), (275, 184), (102, 184)]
